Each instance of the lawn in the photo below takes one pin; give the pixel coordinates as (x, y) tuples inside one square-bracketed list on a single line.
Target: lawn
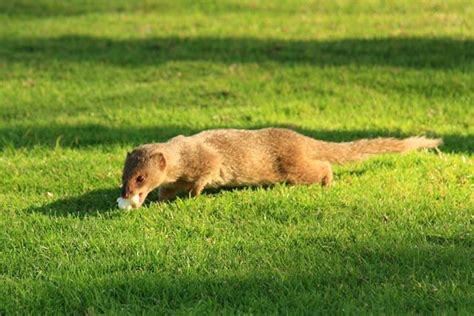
[(82, 82)]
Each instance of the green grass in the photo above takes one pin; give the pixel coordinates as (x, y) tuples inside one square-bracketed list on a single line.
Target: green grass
[(81, 82)]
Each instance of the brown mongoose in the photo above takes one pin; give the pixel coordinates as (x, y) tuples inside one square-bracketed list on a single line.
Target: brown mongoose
[(232, 157)]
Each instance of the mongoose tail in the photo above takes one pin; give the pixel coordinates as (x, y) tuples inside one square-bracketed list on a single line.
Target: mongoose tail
[(339, 153)]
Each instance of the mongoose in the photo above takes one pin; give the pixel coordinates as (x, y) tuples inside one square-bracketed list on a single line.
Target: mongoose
[(232, 157)]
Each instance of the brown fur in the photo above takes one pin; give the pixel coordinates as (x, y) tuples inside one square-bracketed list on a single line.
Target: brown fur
[(230, 157)]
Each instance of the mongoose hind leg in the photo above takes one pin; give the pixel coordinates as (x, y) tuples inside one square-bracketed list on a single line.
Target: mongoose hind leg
[(326, 172), (314, 171)]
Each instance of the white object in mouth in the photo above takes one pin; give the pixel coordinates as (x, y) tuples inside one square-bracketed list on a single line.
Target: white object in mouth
[(135, 200), (127, 204)]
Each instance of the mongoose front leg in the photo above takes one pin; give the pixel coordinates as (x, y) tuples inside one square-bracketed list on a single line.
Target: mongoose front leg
[(166, 194), (197, 189), (209, 169)]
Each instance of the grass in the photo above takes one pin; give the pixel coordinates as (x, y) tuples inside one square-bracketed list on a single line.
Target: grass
[(84, 81)]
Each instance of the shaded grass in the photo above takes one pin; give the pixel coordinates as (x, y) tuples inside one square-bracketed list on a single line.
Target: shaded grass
[(99, 135), (396, 52), (264, 292)]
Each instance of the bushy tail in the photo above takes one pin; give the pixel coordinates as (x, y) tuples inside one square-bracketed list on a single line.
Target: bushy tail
[(362, 149)]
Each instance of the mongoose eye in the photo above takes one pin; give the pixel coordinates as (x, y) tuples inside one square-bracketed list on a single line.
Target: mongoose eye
[(140, 179)]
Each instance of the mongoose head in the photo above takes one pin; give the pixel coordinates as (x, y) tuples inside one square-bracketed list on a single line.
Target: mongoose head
[(144, 171)]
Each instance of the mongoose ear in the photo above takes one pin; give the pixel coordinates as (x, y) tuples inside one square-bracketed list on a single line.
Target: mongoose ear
[(160, 159), (128, 154)]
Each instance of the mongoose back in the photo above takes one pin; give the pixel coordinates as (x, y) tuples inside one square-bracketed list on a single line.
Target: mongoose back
[(232, 157)]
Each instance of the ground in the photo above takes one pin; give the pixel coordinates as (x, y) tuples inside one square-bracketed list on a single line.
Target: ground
[(84, 81)]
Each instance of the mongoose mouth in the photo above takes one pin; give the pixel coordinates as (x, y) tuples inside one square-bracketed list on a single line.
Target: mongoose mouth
[(137, 200), (141, 198)]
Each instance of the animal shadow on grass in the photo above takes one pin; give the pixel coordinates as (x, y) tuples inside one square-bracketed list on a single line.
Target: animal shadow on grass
[(153, 196), (101, 201), (91, 203)]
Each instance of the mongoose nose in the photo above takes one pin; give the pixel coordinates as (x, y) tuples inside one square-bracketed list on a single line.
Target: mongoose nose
[(125, 191)]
